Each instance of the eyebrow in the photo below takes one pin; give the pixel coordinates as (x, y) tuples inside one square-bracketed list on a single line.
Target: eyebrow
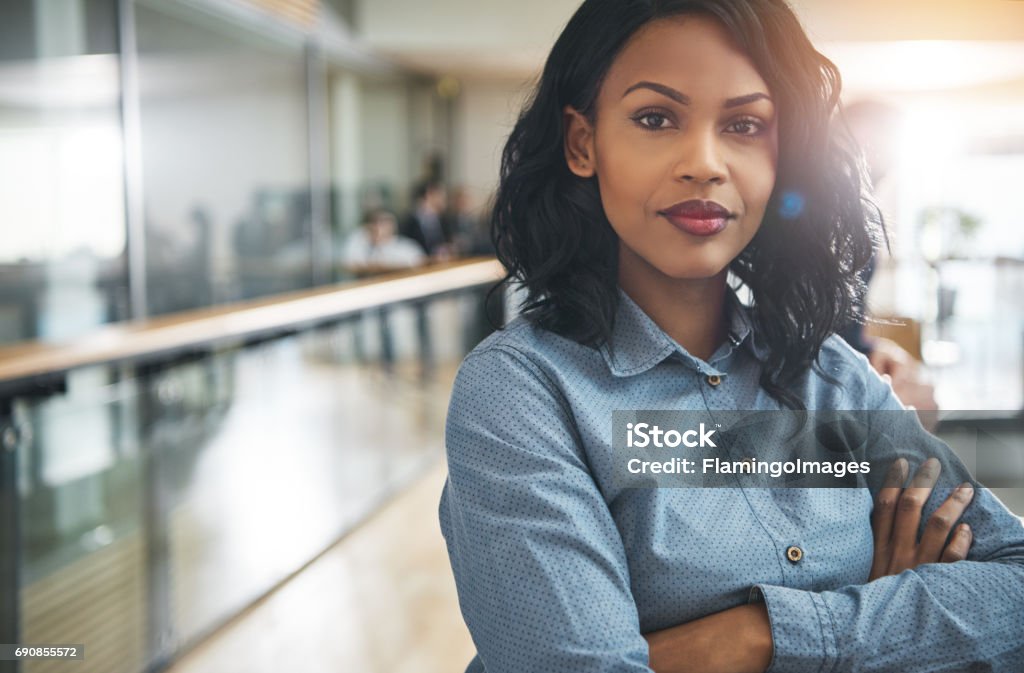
[(683, 99), (749, 98)]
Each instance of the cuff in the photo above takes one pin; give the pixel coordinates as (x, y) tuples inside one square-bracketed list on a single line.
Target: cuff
[(803, 635)]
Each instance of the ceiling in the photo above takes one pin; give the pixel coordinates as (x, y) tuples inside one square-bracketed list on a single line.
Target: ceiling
[(887, 45)]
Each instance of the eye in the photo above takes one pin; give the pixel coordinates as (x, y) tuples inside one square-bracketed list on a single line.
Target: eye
[(748, 126), (652, 121)]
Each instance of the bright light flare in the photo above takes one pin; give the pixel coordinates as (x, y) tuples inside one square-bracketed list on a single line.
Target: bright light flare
[(925, 65)]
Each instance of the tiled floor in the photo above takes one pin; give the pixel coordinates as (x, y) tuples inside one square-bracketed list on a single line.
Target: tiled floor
[(382, 600)]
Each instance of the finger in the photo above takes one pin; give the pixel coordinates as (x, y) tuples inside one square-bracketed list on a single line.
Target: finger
[(886, 499), (940, 523), (958, 547), (882, 515), (908, 515)]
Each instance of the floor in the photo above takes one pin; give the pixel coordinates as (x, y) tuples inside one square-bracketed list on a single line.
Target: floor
[(261, 459), (376, 601)]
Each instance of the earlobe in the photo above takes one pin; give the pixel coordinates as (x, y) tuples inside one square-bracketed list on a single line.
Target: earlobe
[(579, 145)]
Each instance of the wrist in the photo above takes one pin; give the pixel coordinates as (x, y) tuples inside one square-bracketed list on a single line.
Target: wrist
[(757, 637), (737, 640), (741, 639)]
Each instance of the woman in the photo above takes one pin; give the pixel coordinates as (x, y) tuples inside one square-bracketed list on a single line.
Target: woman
[(669, 143)]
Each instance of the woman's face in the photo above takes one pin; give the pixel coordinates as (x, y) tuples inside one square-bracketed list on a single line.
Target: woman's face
[(684, 147)]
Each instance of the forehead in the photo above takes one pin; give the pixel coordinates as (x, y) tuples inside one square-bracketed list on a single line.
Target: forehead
[(692, 53)]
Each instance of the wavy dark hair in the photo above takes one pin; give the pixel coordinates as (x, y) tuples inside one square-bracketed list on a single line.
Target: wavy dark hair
[(551, 233)]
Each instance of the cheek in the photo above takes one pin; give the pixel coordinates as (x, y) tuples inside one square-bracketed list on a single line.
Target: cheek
[(615, 196), (627, 179), (756, 181)]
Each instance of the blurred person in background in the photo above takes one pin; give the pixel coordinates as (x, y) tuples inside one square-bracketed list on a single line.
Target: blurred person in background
[(467, 226), (874, 126), (426, 222), (375, 247)]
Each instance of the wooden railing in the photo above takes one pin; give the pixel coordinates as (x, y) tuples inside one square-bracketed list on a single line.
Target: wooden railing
[(196, 331)]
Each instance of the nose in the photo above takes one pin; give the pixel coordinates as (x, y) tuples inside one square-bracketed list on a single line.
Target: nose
[(700, 158)]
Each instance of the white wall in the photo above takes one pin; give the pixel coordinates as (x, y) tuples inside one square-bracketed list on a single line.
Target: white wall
[(485, 113), (384, 109)]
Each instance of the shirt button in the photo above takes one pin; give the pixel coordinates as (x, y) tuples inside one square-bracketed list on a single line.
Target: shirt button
[(794, 554), (714, 379)]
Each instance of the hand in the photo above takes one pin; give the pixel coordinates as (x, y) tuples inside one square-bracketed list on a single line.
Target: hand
[(897, 515)]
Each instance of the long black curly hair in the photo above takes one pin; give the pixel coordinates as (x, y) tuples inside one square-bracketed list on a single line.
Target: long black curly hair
[(551, 233)]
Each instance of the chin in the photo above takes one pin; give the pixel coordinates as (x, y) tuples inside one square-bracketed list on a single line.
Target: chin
[(699, 269)]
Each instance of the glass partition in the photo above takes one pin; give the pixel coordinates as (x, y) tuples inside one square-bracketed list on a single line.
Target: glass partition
[(156, 502), (225, 158), (62, 233), (81, 479)]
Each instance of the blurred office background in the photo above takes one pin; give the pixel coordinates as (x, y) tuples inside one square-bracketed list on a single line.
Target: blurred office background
[(221, 437)]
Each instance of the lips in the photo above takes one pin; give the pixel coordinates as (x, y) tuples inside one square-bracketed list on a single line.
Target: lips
[(698, 218)]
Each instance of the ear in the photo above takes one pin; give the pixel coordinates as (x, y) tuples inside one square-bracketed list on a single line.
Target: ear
[(579, 142)]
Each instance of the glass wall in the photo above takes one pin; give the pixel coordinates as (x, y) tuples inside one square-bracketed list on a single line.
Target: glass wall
[(156, 502), (225, 159), (81, 485), (145, 506), (62, 221), (257, 151)]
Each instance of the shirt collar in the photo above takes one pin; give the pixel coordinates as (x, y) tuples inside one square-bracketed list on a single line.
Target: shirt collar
[(637, 343)]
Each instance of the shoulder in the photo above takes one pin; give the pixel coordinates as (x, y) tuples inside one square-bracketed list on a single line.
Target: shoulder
[(409, 248), (520, 344), (525, 359), (532, 343), (507, 397), (837, 357), (861, 385)]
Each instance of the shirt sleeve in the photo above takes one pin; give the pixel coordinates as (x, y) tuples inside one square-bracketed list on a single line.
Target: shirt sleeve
[(539, 564), (937, 617)]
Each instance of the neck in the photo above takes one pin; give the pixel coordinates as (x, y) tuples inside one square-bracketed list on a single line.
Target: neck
[(691, 311)]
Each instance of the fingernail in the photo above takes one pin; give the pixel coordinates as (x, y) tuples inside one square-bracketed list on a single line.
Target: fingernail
[(966, 490), (965, 529)]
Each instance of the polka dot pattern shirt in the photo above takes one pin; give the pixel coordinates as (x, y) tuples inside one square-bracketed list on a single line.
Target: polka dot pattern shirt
[(560, 570)]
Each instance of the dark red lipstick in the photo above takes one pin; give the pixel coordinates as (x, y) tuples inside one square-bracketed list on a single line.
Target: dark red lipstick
[(699, 218)]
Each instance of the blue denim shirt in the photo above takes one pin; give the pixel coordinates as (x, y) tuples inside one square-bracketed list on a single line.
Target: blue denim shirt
[(558, 570)]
